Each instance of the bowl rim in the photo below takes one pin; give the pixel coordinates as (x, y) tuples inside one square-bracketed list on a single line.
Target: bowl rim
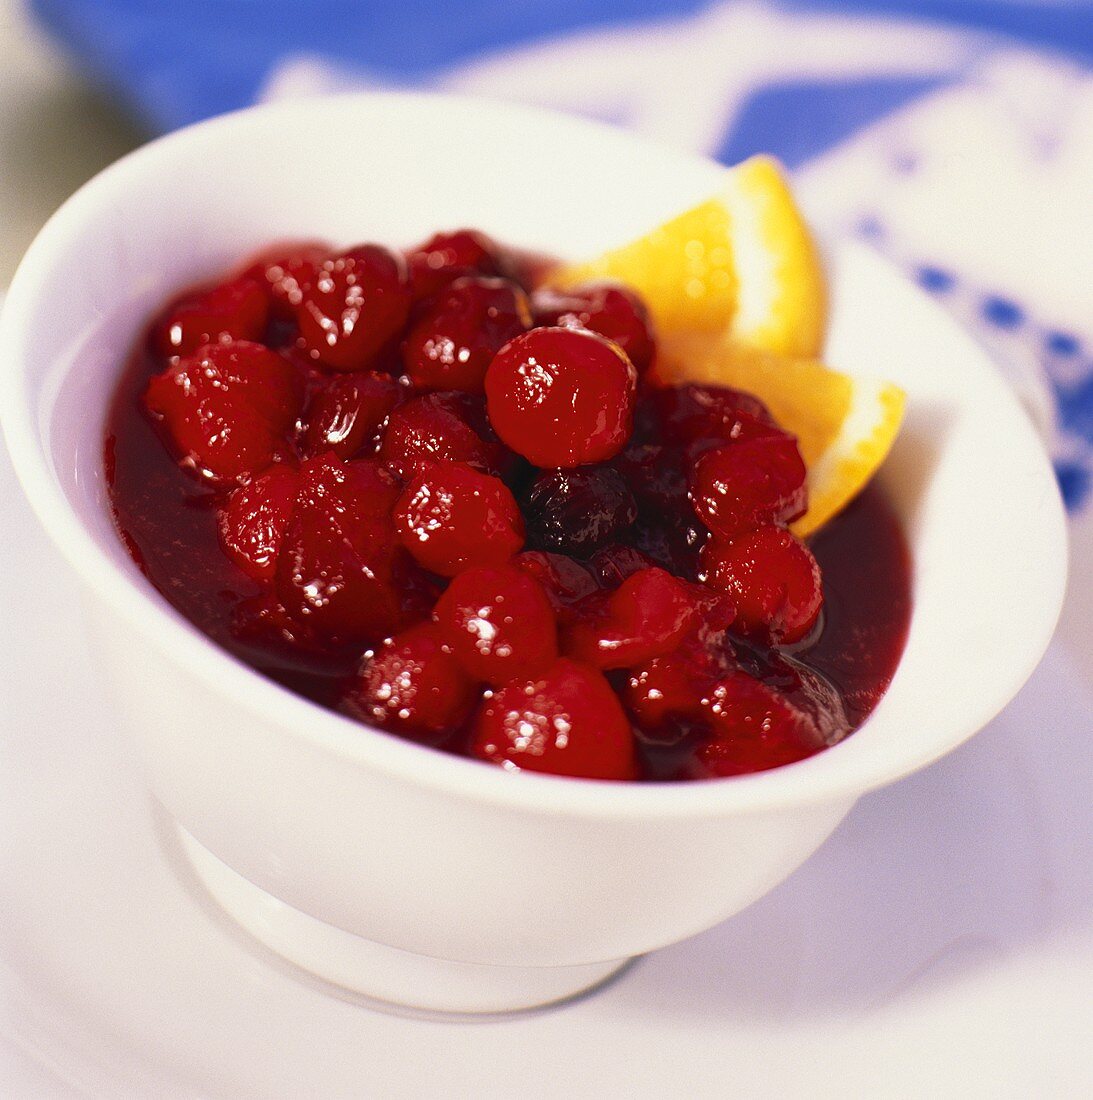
[(835, 774)]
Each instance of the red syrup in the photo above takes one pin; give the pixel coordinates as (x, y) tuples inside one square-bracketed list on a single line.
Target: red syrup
[(724, 702)]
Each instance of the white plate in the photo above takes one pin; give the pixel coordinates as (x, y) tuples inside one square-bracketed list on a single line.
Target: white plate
[(941, 943)]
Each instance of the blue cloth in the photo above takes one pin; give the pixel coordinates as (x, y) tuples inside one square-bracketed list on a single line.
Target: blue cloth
[(177, 63)]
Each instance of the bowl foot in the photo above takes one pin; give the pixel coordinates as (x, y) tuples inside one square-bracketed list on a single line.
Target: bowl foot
[(381, 972)]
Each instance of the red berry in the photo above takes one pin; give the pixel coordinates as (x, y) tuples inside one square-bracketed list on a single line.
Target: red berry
[(357, 303), (772, 578), (611, 311), (564, 721), (451, 517), (561, 397), (435, 427), (744, 485), (337, 572), (349, 413), (613, 564), (499, 623), (452, 343), (285, 270), (252, 522), (649, 615), (665, 695), (682, 415), (237, 310), (578, 511), (753, 727), (564, 580), (445, 257), (413, 685), (228, 410)]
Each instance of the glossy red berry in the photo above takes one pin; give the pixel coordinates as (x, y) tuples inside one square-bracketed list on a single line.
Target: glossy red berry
[(753, 727), (648, 615), (451, 517), (438, 427), (455, 338), (561, 397), (412, 685), (613, 564), (564, 580), (337, 573), (237, 310), (445, 257), (564, 721), (286, 270), (577, 511), (348, 413), (773, 580), (682, 415), (252, 522), (499, 623), (744, 485), (611, 311), (229, 409), (357, 303)]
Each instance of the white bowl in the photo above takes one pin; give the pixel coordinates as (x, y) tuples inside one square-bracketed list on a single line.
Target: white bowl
[(403, 873)]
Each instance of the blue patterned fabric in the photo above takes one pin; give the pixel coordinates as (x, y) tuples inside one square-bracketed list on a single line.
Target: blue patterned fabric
[(955, 135)]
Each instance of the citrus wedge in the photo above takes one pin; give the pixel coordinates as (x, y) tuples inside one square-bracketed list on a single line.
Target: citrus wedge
[(845, 425), (741, 266)]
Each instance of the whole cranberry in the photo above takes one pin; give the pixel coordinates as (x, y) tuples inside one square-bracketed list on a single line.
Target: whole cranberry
[(666, 695), (237, 310), (773, 580), (611, 311), (357, 303), (564, 580), (439, 427), (348, 413), (412, 685), (451, 517), (683, 415), (252, 523), (445, 257), (229, 409), (614, 563), (561, 397), (498, 622), (657, 478), (338, 570), (648, 615), (577, 511), (455, 338), (752, 727), (744, 485), (285, 270), (564, 721)]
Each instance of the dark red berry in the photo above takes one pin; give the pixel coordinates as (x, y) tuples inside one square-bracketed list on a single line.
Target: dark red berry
[(454, 340), (682, 415), (229, 409), (337, 573), (613, 564), (753, 727), (230, 311), (577, 511), (348, 413), (561, 397), (564, 580), (253, 520), (744, 485), (649, 615), (356, 304), (773, 580), (564, 721), (286, 270), (451, 517), (611, 311), (412, 685), (445, 257), (499, 623)]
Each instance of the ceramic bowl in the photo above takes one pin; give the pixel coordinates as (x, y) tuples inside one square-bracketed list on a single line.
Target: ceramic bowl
[(397, 871)]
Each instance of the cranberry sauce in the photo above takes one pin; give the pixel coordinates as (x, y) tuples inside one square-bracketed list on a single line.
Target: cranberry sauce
[(425, 491)]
